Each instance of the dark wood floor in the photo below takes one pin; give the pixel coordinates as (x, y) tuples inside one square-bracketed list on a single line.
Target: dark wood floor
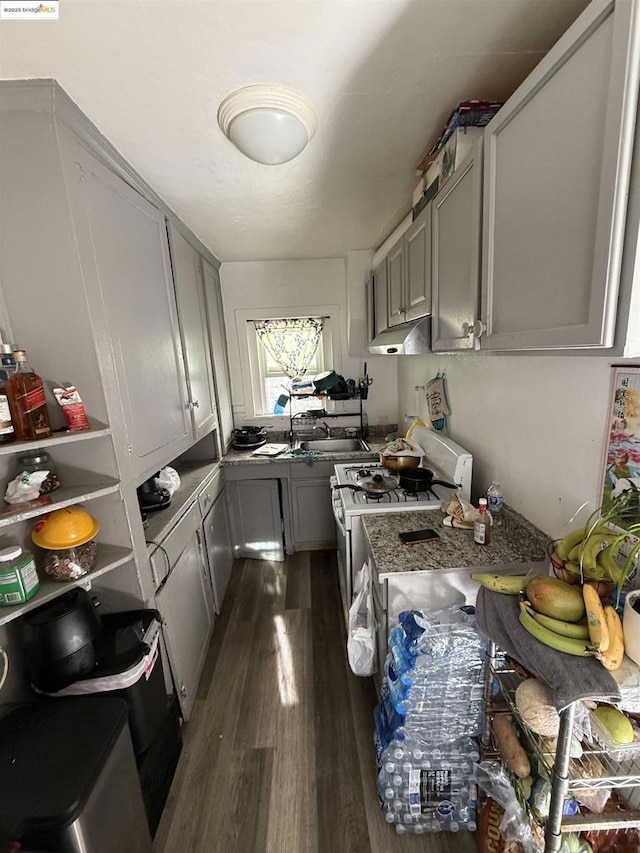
[(278, 757)]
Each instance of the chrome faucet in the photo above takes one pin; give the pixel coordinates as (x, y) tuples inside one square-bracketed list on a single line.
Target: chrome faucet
[(324, 428)]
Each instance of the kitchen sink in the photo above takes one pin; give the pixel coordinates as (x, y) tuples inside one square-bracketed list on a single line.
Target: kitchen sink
[(334, 445)]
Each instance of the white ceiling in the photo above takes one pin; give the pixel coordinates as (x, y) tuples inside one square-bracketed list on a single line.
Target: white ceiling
[(383, 76)]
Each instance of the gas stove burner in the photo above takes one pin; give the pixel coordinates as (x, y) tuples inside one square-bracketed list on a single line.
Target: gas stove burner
[(413, 496), (378, 498), (364, 472)]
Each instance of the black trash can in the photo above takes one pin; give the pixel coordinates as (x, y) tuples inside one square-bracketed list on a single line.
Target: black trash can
[(129, 665), (68, 778)]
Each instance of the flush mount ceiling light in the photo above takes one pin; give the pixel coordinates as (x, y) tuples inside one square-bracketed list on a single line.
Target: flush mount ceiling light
[(269, 124)]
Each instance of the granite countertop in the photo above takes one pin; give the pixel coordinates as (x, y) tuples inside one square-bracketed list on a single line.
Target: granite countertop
[(193, 476), (516, 542)]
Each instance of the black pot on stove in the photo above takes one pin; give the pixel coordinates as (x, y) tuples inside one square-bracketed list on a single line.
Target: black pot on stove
[(421, 480)]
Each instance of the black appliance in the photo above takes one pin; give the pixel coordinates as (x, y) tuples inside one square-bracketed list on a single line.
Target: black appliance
[(59, 637), (152, 496)]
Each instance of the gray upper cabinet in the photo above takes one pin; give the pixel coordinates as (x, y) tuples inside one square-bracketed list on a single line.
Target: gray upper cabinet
[(380, 298), (409, 272), (127, 259), (417, 240), (218, 346), (192, 315), (395, 283), (557, 165), (456, 237)]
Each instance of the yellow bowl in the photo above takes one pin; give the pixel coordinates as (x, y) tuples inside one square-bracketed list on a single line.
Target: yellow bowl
[(64, 528), (399, 463)]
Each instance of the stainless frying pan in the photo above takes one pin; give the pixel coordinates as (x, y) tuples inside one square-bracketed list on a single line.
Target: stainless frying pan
[(372, 485)]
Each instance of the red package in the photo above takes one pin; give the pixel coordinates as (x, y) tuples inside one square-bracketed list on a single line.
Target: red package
[(72, 407)]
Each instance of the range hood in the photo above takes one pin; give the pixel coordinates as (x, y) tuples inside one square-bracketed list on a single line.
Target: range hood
[(408, 339)]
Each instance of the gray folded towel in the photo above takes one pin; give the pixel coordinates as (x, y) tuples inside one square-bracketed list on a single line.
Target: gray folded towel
[(569, 677)]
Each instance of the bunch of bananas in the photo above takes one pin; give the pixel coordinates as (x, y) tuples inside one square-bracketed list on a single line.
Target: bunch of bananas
[(567, 618), (591, 552)]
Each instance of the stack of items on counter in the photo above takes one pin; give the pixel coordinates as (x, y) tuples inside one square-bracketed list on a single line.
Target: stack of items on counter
[(428, 721), (462, 129)]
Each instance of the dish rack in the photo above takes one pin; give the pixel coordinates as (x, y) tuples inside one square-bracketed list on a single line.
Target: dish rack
[(567, 774)]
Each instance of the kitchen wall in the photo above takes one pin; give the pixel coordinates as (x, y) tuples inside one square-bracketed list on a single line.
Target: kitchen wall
[(293, 285), (537, 423)]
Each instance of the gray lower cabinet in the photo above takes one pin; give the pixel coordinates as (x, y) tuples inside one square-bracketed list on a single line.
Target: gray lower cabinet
[(185, 602), (455, 256), (256, 519), (192, 315), (555, 202), (218, 547), (314, 525)]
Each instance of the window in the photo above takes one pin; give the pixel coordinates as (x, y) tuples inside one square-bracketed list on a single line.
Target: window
[(269, 380)]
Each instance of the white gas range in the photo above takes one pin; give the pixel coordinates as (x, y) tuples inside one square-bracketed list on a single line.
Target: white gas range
[(444, 457)]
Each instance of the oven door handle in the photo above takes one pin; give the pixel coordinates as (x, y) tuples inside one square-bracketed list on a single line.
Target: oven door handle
[(338, 514)]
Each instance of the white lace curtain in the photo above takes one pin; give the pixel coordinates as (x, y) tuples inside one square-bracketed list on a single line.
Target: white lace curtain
[(292, 343)]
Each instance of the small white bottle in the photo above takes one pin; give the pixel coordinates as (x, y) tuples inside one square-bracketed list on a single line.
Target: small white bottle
[(494, 502)]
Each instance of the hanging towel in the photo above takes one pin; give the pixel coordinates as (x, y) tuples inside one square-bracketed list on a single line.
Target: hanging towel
[(437, 402)]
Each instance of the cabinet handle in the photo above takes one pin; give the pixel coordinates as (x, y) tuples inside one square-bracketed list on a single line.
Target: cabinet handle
[(478, 328), (467, 329), (196, 404)]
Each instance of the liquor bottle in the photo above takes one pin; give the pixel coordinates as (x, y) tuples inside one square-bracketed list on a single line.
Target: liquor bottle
[(482, 524), (7, 360), (7, 431), (27, 401)]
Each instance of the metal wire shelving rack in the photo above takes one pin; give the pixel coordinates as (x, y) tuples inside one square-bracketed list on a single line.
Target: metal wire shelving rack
[(596, 769)]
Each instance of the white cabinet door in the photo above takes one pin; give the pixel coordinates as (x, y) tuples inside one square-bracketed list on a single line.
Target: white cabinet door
[(128, 259), (455, 257), (557, 161), (314, 524), (187, 622), (256, 519), (218, 342), (380, 298), (395, 281), (219, 548), (192, 315), (417, 241)]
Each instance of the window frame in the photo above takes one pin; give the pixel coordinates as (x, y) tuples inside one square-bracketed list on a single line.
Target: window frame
[(253, 378)]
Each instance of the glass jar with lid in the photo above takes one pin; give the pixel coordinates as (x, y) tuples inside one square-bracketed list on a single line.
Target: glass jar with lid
[(66, 537), (39, 460)]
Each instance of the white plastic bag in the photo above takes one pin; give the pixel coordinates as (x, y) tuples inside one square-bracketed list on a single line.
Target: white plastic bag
[(361, 640), (25, 487), (169, 479)]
